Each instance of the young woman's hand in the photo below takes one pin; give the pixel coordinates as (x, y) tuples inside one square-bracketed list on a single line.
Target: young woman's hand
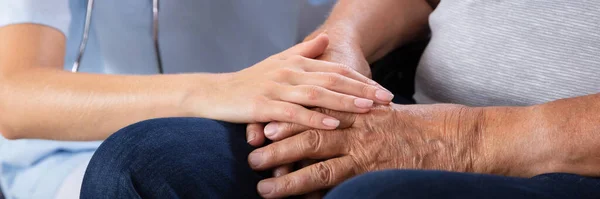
[(281, 87)]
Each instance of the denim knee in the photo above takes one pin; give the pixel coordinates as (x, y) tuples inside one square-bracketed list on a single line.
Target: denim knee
[(383, 184), (411, 184), (172, 157)]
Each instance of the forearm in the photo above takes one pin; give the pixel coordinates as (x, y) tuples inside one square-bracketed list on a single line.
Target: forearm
[(560, 136), (52, 104), (375, 27)]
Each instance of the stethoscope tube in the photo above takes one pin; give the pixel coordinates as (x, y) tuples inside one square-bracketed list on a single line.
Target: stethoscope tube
[(155, 35), (86, 33)]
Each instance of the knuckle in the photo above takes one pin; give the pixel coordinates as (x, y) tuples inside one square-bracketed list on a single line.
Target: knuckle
[(332, 79), (366, 90), (270, 154), (347, 102), (357, 167), (289, 112), (287, 185), (344, 70), (314, 119), (312, 93), (324, 174), (284, 73), (296, 59), (287, 128), (313, 141)]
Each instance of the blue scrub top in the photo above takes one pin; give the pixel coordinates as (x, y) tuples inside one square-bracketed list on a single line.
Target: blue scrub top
[(195, 36)]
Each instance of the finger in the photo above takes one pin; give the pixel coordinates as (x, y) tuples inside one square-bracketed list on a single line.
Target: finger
[(277, 131), (315, 96), (342, 84), (294, 113), (255, 135), (280, 130), (316, 177), (310, 49), (339, 68), (340, 78), (316, 65), (283, 170), (316, 194), (311, 144)]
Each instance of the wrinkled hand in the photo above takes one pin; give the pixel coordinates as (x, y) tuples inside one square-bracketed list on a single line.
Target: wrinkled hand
[(342, 53), (280, 87), (256, 137), (443, 137)]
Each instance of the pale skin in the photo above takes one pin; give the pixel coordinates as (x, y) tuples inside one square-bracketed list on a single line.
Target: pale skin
[(40, 100), (558, 136)]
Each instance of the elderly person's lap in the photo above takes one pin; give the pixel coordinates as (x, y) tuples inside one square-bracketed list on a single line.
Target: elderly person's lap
[(201, 158), (413, 184)]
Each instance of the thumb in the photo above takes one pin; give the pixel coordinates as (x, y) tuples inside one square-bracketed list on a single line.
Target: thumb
[(255, 135), (309, 49)]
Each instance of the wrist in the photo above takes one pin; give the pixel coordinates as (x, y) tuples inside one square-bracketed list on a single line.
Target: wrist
[(347, 34), (512, 142), (342, 36), (455, 130), (202, 93), (344, 48), (351, 56), (462, 125)]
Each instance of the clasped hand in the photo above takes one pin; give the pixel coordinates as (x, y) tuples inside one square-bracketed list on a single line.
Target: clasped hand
[(387, 137)]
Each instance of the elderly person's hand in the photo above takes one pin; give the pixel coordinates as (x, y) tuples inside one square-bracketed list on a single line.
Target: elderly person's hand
[(444, 137), (338, 51)]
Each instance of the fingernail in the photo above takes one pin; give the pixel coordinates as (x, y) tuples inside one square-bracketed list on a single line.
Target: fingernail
[(251, 137), (383, 95), (265, 187), (331, 122), (270, 129), (363, 103), (255, 159)]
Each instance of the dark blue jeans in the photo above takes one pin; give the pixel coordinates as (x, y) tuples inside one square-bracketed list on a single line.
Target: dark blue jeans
[(173, 158), (200, 158), (413, 184)]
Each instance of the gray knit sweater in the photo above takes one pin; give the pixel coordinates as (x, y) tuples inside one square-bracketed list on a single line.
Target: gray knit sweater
[(510, 52)]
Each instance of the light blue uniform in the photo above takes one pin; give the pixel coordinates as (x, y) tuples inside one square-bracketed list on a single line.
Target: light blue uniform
[(195, 36)]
